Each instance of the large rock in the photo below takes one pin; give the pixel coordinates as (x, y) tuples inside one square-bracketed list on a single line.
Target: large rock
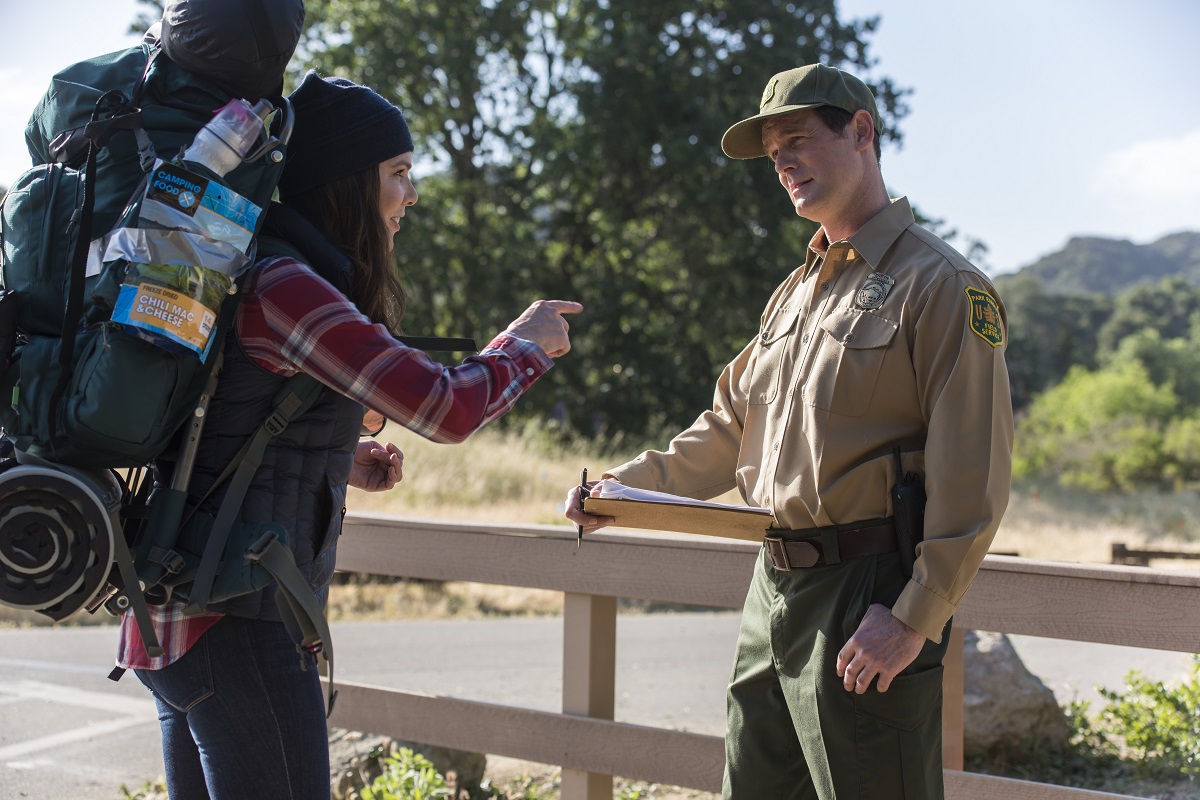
[(356, 759), (1006, 708)]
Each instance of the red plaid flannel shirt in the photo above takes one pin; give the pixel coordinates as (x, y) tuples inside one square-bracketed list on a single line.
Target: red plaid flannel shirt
[(290, 321)]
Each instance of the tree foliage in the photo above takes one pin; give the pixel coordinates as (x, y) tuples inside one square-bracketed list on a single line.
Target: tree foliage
[(1165, 307), (1132, 422), (571, 150), (1097, 429), (1048, 335)]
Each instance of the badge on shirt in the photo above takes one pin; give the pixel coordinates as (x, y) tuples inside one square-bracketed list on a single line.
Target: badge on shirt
[(874, 290), (985, 316)]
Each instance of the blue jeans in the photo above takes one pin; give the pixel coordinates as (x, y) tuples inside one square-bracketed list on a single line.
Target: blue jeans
[(241, 718)]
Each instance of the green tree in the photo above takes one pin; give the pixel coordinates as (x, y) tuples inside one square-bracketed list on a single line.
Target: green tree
[(1168, 362), (572, 150), (1181, 448), (1048, 334), (1166, 307), (1101, 430)]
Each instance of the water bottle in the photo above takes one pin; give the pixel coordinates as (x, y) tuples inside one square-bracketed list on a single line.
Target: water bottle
[(174, 286), (227, 138)]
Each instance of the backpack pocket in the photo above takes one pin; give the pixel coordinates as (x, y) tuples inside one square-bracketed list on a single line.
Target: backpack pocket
[(103, 411), (37, 243)]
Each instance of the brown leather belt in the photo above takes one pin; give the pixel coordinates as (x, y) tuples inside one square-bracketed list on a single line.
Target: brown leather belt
[(799, 549)]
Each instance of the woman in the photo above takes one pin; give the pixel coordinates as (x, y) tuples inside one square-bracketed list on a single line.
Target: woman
[(242, 712)]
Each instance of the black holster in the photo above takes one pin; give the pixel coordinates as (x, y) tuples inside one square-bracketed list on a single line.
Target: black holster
[(908, 508)]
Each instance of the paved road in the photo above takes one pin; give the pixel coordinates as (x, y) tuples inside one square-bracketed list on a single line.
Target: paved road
[(68, 732)]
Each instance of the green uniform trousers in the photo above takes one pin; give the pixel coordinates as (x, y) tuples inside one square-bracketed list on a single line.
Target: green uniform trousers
[(794, 732)]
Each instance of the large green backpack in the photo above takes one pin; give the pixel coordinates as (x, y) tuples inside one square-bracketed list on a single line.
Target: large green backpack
[(89, 398), (119, 112)]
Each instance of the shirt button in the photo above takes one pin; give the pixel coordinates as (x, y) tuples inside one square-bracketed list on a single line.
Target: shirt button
[(529, 371), (805, 337), (824, 286)]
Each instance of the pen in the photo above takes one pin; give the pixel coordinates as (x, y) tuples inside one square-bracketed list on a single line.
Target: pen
[(582, 489)]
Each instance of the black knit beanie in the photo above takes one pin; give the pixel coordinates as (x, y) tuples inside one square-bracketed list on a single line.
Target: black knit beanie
[(341, 128)]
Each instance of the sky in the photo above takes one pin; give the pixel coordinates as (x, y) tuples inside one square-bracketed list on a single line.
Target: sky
[(1031, 121)]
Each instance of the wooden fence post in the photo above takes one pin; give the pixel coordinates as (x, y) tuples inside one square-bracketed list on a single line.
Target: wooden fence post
[(589, 678), (952, 701)]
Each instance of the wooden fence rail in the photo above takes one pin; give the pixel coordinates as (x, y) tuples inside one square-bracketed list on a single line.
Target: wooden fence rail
[(1081, 602)]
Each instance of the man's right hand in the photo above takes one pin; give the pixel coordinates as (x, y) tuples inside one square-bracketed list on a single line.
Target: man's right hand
[(543, 324), (588, 522)]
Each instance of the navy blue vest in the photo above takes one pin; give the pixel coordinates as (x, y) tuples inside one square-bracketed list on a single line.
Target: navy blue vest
[(301, 483)]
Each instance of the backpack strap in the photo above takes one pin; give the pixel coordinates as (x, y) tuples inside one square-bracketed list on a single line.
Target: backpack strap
[(96, 133), (298, 608), (297, 395), (136, 599), (302, 615), (81, 225)]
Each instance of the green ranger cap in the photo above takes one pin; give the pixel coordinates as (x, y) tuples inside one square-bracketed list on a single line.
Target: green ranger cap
[(795, 89)]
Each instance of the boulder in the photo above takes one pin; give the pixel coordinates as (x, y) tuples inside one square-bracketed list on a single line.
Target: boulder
[(1006, 708)]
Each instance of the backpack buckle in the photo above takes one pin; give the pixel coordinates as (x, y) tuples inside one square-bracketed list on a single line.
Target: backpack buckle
[(276, 423), (172, 562), (255, 552)]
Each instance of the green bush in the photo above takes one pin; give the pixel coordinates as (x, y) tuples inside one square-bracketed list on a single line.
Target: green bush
[(407, 776), (1099, 430), (1158, 724), (1144, 741)]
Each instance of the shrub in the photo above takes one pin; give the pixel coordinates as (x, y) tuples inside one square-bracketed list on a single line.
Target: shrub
[(407, 776), (1159, 724)]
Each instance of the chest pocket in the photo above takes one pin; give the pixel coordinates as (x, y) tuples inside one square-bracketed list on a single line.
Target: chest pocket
[(846, 367), (776, 355)]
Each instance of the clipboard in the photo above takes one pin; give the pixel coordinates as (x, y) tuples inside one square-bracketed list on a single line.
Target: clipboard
[(749, 524)]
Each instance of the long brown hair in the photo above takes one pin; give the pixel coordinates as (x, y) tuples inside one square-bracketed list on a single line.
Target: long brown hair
[(347, 211)]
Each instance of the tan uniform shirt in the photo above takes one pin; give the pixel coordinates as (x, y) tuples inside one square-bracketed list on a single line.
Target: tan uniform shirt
[(805, 418)]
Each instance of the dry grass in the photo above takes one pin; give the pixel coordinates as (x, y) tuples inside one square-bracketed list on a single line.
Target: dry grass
[(1067, 525), (493, 476), (369, 600)]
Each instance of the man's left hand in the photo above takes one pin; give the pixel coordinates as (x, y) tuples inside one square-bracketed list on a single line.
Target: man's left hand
[(376, 468), (882, 646)]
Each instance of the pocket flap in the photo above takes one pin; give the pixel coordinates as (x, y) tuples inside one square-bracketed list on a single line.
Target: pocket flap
[(779, 325), (859, 330)]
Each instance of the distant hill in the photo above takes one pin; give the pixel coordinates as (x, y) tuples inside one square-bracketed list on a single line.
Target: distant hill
[(1093, 265)]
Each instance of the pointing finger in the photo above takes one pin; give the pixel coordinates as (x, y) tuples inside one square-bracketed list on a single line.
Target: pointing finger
[(565, 306)]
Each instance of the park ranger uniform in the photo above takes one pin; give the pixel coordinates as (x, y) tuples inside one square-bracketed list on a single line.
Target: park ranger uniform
[(887, 340)]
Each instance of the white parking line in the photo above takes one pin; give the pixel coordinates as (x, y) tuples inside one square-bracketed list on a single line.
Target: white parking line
[(131, 712), (71, 696), (57, 740), (52, 666)]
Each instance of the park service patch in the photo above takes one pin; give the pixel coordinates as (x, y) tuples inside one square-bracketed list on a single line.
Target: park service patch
[(985, 316)]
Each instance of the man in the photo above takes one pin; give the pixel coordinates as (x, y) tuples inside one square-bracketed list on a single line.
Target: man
[(882, 355)]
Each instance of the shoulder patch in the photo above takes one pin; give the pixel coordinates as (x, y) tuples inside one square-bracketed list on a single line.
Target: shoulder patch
[(985, 316)]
